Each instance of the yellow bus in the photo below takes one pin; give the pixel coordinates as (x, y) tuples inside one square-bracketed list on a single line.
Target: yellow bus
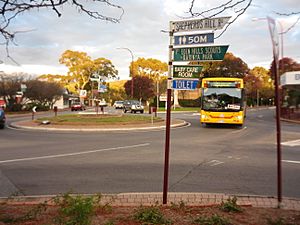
[(222, 101)]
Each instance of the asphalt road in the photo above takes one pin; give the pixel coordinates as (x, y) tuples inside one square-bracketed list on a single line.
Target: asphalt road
[(219, 159)]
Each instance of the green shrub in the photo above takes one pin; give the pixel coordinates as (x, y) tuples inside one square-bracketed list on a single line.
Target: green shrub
[(213, 220), (150, 215), (190, 102), (75, 210), (180, 206), (230, 205)]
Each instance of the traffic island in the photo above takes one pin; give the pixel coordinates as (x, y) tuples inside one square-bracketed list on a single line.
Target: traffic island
[(101, 122)]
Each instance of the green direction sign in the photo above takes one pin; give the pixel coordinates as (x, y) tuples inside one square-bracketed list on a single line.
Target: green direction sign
[(206, 53), (187, 71)]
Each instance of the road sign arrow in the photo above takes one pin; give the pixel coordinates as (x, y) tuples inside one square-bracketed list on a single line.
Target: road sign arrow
[(184, 40)]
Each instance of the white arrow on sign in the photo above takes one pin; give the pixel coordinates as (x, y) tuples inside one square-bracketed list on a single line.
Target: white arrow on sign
[(182, 40)]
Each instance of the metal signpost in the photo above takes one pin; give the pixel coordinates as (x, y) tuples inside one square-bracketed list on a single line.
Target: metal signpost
[(187, 77), (275, 43)]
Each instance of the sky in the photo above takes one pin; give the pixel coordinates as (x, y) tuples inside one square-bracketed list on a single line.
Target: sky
[(37, 51)]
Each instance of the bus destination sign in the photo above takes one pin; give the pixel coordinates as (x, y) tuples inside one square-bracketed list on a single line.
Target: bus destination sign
[(223, 84), (186, 71), (205, 53)]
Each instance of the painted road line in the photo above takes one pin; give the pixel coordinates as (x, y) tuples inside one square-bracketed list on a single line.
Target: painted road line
[(73, 154), (291, 143), (214, 162), (290, 161)]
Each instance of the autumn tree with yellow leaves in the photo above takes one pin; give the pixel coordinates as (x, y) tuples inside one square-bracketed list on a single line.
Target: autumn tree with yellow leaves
[(82, 67), (153, 69)]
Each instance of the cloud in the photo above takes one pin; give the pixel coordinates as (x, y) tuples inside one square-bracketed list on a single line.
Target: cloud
[(139, 30)]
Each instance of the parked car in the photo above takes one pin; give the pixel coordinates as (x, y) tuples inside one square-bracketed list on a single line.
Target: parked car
[(133, 106), (2, 118), (118, 105), (77, 106)]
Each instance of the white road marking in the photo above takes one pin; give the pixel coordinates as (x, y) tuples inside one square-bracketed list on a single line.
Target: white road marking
[(290, 161), (292, 143), (74, 153), (214, 162)]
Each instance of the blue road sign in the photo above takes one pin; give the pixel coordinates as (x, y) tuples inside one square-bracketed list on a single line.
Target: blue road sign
[(194, 39), (185, 84), (102, 88)]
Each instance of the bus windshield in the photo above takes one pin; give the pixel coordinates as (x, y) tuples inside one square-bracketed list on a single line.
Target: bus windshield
[(222, 99)]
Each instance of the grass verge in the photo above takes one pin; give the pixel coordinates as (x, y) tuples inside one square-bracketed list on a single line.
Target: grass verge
[(100, 119)]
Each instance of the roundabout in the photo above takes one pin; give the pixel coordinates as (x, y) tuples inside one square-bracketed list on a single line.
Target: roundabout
[(96, 122)]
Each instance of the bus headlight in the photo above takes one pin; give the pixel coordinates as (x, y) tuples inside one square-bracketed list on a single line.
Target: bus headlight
[(239, 117), (203, 116)]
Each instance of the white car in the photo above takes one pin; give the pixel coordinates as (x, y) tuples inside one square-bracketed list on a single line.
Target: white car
[(133, 106), (118, 105)]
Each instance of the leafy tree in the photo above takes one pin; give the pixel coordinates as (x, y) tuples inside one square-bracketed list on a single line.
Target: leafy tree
[(231, 66), (81, 67), (285, 65), (153, 69), (263, 86), (252, 84), (117, 91), (43, 93), (142, 88), (9, 86)]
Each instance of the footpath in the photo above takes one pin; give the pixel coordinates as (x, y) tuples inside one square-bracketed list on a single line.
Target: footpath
[(189, 199), (137, 199)]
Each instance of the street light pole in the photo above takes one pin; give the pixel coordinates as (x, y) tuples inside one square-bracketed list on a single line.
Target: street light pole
[(130, 68), (281, 37)]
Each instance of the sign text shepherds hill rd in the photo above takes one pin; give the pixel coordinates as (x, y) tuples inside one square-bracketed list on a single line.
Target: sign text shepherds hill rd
[(200, 24)]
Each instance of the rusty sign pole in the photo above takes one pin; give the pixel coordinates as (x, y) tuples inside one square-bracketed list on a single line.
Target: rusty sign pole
[(275, 43), (278, 135), (168, 118)]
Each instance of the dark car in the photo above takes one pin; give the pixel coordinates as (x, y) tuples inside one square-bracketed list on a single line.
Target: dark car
[(133, 106), (77, 106), (2, 118)]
